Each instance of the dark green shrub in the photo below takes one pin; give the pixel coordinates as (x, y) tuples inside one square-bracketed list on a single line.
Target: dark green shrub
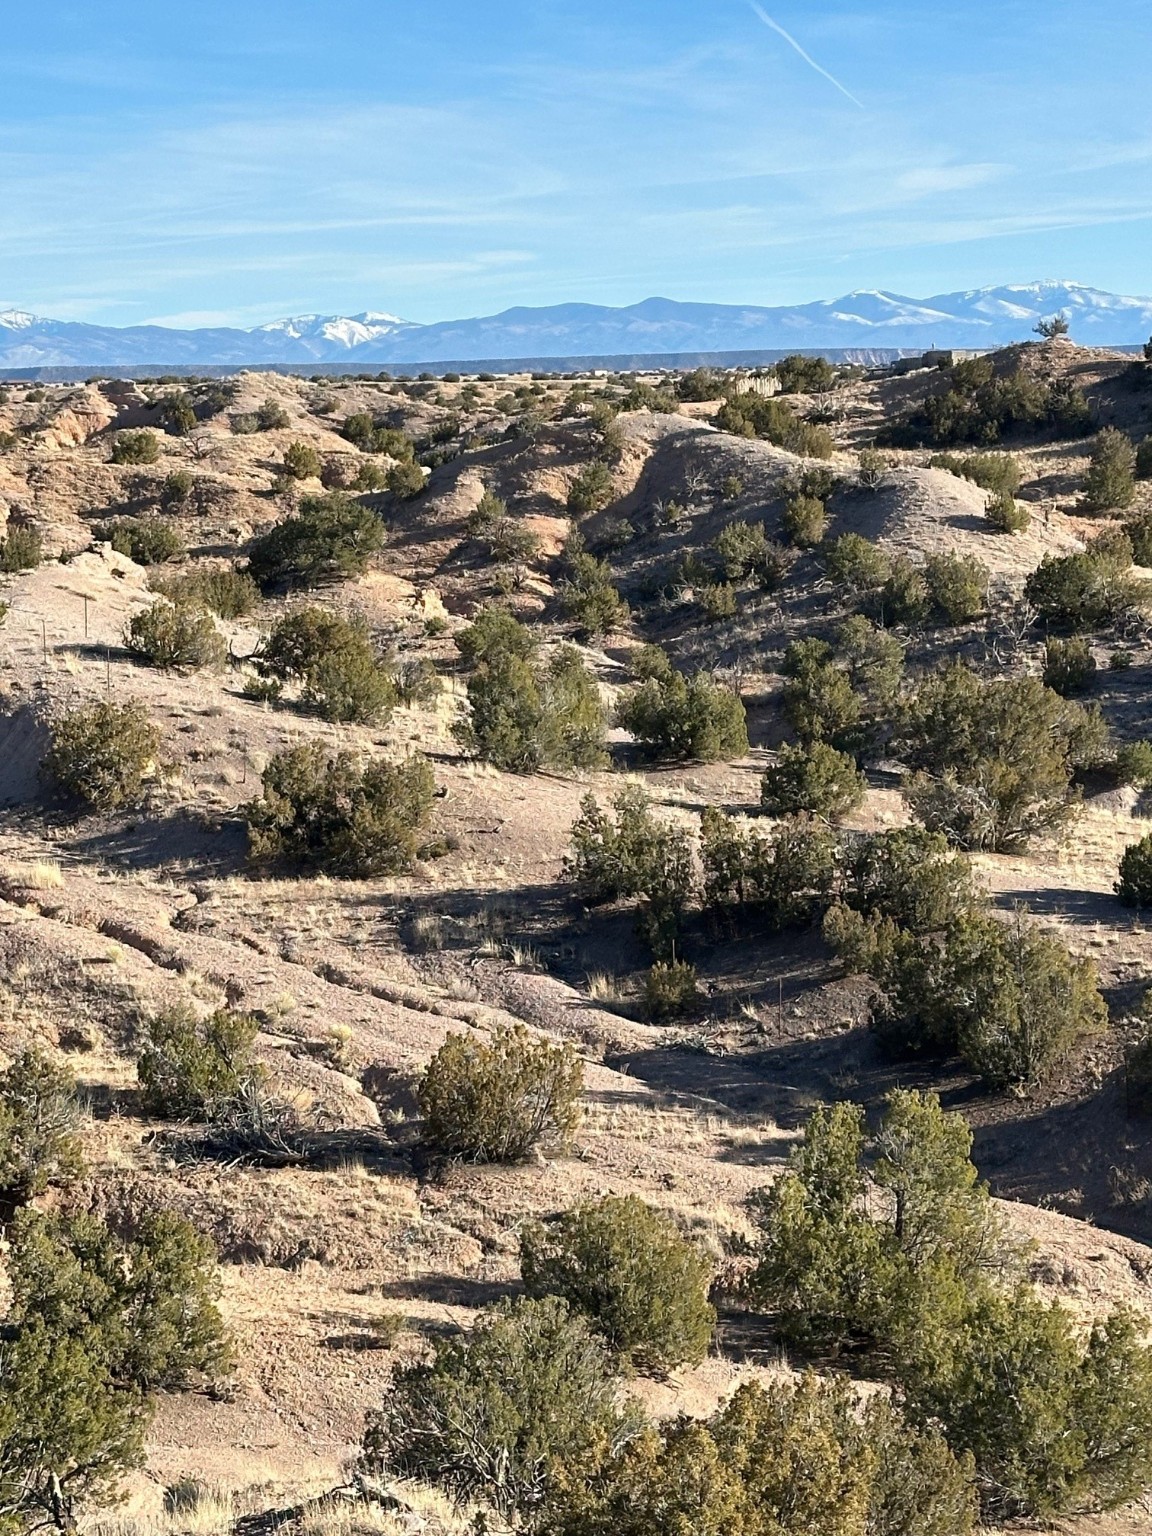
[(904, 598), (742, 550), (102, 754), (700, 384), (718, 601), (1110, 479), (94, 1324), (731, 488), (589, 597), (632, 1273), (405, 480), (1052, 328), (147, 1302), (770, 417), (855, 563), (957, 587), (335, 815), (135, 448), (39, 1118), (1134, 887), (678, 718), (1069, 665), (177, 413), (803, 375), (872, 466), (1085, 591), (632, 856), (301, 461), (147, 540), (1056, 1423), (814, 778), (271, 416), (170, 635), (331, 538), (528, 1395), (1143, 465), (1139, 531), (1004, 514), (670, 990), (800, 1460), (228, 593), (911, 1258), (575, 719), (495, 631), (980, 406), (69, 1433), (592, 488), (895, 1271), (1134, 763), (991, 471), (910, 877), (1005, 996), (506, 714), (804, 522), (772, 880), (369, 477), (996, 757), (334, 662), (505, 538), (873, 659), (819, 701), (493, 1101), (1040, 1005), (817, 482), (192, 1068), (22, 549), (523, 716), (177, 488)]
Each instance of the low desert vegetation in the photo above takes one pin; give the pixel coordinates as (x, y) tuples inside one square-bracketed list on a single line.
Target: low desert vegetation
[(525, 712), (222, 590), (21, 549), (97, 1324), (816, 779), (329, 539), (147, 540), (641, 1284), (39, 1122), (676, 717), (141, 447), (175, 635), (783, 774), (338, 814), (333, 663), (192, 1068), (102, 756), (496, 1100)]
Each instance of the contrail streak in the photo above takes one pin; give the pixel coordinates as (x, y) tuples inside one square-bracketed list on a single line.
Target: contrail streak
[(807, 57)]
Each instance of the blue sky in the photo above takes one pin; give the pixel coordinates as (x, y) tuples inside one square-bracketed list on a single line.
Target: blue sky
[(233, 161)]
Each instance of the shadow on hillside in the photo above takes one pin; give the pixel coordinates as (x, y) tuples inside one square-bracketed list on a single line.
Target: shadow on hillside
[(451, 1290), (1059, 901), (179, 842)]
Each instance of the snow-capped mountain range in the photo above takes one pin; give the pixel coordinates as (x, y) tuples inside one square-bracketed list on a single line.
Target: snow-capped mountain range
[(870, 319)]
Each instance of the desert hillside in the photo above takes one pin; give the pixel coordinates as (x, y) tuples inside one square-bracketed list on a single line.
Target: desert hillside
[(780, 626)]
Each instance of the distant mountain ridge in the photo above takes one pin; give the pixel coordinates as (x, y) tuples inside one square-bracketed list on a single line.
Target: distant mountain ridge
[(979, 317)]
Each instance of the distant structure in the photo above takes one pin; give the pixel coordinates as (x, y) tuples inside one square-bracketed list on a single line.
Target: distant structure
[(940, 357)]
